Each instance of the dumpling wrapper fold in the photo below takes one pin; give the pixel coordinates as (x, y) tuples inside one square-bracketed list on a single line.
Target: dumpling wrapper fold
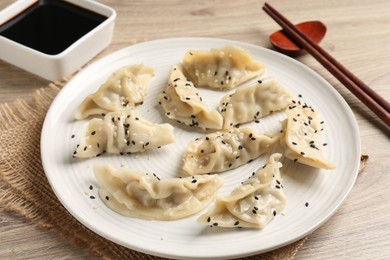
[(253, 102), (122, 132), (220, 68), (124, 89), (254, 203), (181, 102), (225, 150), (146, 196), (302, 140)]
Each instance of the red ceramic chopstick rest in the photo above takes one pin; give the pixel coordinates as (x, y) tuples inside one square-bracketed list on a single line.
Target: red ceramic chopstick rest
[(315, 30)]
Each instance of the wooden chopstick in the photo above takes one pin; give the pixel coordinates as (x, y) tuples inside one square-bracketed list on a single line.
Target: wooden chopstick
[(371, 99)]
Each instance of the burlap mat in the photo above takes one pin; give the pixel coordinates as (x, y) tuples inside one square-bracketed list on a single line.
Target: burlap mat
[(24, 189)]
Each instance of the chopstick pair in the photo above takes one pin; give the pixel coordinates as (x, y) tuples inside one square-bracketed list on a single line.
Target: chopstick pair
[(369, 97)]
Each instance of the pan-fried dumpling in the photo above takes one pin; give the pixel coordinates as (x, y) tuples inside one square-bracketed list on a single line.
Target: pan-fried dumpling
[(181, 101), (146, 196), (302, 141), (222, 68), (253, 102), (222, 151), (122, 132), (254, 203), (124, 89)]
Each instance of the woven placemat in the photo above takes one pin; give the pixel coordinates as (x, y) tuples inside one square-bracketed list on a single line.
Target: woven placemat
[(24, 189)]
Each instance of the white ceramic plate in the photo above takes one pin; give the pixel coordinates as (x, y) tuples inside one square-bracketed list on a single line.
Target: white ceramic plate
[(324, 191)]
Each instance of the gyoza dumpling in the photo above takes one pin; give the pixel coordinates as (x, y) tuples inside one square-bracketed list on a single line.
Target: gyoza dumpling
[(222, 151), (254, 203), (302, 141), (223, 68), (122, 132), (253, 102), (143, 195), (124, 89), (181, 101)]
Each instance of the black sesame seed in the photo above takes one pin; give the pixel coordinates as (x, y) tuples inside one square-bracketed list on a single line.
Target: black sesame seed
[(165, 97), (230, 165), (324, 144), (107, 198), (133, 142), (294, 143), (294, 120), (194, 181), (215, 224), (295, 159), (259, 81), (72, 136), (256, 198), (237, 157), (136, 118), (256, 208), (85, 148), (302, 153), (207, 138), (92, 197), (307, 204), (74, 152), (215, 73), (187, 98), (90, 187), (250, 135), (208, 219), (250, 161), (254, 211), (176, 79), (277, 186), (236, 223), (274, 213), (253, 139)]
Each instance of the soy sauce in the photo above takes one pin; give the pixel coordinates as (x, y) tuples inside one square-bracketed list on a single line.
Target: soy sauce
[(50, 26)]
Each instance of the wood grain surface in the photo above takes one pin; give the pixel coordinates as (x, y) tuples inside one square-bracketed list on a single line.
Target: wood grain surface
[(358, 36)]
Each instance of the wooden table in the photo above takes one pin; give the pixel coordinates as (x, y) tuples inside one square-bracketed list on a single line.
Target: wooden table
[(358, 36)]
